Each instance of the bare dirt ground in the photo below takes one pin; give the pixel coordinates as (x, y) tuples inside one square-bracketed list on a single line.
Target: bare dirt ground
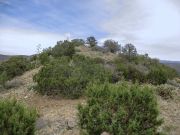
[(170, 111), (58, 116)]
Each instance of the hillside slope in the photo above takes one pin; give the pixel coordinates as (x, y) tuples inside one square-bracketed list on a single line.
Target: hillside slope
[(58, 116)]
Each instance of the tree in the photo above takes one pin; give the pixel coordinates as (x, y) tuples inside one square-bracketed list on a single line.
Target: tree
[(91, 41), (78, 42), (129, 50), (111, 46)]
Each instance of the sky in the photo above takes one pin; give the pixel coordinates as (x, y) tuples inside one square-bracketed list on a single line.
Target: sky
[(153, 26)]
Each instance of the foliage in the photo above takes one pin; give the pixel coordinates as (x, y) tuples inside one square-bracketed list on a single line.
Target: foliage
[(119, 109), (3, 78), (144, 69), (130, 71), (111, 46), (91, 41), (157, 76), (78, 42), (69, 77), (129, 50), (133, 74), (16, 119), (14, 66), (44, 58), (63, 48)]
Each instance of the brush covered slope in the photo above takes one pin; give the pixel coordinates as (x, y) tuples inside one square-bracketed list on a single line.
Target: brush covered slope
[(74, 69)]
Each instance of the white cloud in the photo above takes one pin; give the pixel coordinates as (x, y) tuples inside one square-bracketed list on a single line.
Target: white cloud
[(153, 26), (22, 41)]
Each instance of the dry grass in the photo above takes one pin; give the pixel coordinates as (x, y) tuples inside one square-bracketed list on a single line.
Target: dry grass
[(58, 116), (86, 51)]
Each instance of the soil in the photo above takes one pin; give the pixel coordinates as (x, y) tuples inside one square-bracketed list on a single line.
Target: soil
[(58, 116)]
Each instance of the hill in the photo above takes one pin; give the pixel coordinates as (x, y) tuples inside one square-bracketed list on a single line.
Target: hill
[(172, 64), (55, 82), (4, 57), (56, 114)]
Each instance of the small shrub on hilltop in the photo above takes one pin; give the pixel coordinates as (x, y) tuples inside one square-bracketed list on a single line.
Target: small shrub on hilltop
[(78, 42), (64, 48), (16, 119), (119, 109), (69, 77)]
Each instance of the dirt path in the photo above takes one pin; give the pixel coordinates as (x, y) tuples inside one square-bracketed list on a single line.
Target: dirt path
[(170, 111), (59, 116)]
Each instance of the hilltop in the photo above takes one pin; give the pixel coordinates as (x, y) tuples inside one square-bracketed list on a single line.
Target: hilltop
[(57, 80)]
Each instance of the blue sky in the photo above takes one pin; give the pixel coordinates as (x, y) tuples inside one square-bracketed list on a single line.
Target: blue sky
[(153, 26)]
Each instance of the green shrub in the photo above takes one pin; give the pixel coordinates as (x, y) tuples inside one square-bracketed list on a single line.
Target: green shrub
[(131, 73), (69, 77), (147, 70), (78, 42), (119, 109), (16, 119), (14, 66), (64, 48), (157, 76), (44, 58), (3, 78)]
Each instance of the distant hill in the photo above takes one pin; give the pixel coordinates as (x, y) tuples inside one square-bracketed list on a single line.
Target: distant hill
[(173, 64), (4, 57)]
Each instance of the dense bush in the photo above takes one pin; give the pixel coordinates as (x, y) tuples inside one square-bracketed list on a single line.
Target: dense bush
[(143, 69), (69, 77), (3, 78), (130, 72), (16, 119), (64, 48), (44, 58), (14, 66), (157, 76), (78, 42), (119, 109)]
